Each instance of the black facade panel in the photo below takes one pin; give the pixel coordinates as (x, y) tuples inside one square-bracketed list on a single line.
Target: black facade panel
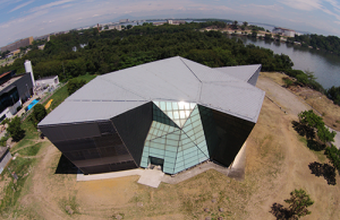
[(133, 127), (109, 167), (24, 86), (94, 144), (67, 132), (232, 133), (209, 127)]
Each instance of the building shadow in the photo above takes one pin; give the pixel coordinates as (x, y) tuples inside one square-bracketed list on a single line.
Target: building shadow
[(65, 166)]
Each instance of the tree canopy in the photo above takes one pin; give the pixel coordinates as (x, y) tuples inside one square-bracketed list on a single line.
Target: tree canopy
[(39, 112), (74, 84), (15, 130), (315, 123), (328, 43), (111, 50)]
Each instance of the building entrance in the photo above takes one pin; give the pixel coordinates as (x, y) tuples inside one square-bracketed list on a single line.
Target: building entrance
[(156, 162)]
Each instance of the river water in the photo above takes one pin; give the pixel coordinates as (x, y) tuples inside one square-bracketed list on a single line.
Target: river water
[(325, 66)]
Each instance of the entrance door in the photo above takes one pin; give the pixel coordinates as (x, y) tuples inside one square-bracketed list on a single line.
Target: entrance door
[(156, 161)]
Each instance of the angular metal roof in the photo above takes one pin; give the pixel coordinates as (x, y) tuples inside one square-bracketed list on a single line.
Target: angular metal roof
[(173, 79), (243, 73)]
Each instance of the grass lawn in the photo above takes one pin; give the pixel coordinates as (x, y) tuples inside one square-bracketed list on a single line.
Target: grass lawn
[(27, 147)]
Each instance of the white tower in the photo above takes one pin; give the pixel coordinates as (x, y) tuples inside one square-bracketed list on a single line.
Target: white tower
[(28, 68)]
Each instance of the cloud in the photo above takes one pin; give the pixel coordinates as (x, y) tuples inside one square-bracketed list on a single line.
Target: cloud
[(21, 6), (68, 14), (50, 5), (266, 7), (305, 5)]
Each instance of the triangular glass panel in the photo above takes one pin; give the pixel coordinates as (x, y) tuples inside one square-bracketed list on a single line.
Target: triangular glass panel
[(178, 112)]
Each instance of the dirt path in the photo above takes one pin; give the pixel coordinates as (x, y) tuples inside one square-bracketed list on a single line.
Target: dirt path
[(283, 97)]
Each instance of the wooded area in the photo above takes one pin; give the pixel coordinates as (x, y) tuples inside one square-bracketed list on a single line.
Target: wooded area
[(329, 43), (89, 51)]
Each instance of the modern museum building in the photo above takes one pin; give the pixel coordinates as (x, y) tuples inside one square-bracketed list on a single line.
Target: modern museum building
[(173, 112)]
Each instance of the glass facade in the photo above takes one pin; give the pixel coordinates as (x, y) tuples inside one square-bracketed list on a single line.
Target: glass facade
[(8, 99), (176, 137), (102, 152)]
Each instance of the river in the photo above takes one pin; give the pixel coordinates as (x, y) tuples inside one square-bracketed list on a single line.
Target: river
[(325, 66)]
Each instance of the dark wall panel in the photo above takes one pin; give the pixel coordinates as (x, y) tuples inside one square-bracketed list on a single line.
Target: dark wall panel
[(66, 132), (209, 127), (232, 132), (21, 86), (95, 144), (133, 127), (109, 167)]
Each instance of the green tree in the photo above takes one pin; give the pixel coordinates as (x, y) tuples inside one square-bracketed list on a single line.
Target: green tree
[(235, 25), (310, 119), (245, 23), (15, 130), (74, 84), (298, 202), (39, 112), (254, 33), (333, 154), (314, 123)]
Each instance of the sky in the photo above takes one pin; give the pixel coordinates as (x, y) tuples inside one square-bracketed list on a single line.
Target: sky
[(20, 18)]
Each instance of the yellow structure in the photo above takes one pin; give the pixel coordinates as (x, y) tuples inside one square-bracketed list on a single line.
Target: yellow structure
[(48, 104)]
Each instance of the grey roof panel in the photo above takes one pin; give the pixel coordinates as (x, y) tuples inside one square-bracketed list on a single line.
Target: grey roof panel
[(243, 73), (101, 88), (235, 99), (164, 79), (84, 111), (172, 79), (207, 74)]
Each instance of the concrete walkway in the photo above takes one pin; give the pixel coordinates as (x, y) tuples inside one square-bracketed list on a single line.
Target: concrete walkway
[(151, 178), (103, 176)]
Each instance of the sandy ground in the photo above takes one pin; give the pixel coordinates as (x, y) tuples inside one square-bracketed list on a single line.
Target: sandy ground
[(277, 163)]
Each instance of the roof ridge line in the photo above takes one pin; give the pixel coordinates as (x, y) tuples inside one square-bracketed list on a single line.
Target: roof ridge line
[(110, 81), (200, 81), (191, 70)]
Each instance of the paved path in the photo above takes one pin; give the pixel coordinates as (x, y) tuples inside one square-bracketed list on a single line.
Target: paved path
[(151, 178), (102, 176), (287, 100)]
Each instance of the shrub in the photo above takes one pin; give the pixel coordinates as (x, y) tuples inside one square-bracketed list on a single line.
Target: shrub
[(333, 154), (39, 112), (74, 84), (15, 130)]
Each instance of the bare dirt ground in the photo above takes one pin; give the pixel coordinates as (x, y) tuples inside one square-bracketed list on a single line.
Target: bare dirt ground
[(277, 163)]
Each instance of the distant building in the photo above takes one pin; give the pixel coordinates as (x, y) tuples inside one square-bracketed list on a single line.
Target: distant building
[(41, 47), (123, 20), (175, 113), (14, 90), (5, 157), (117, 27), (13, 53), (178, 22), (284, 32), (158, 23), (171, 22), (17, 44), (43, 37), (51, 81)]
